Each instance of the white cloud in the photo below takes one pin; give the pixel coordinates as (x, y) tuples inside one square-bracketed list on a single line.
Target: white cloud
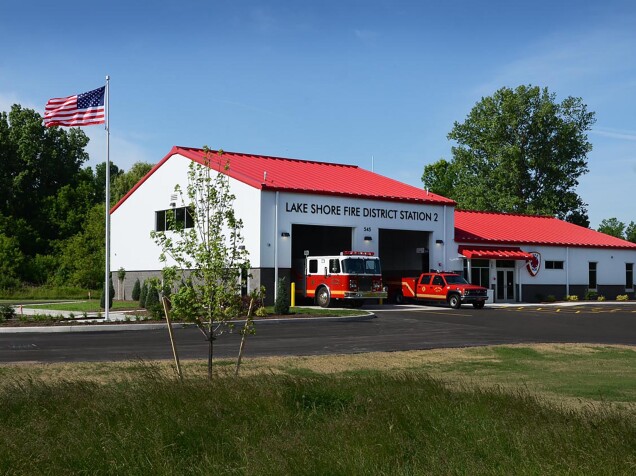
[(614, 133)]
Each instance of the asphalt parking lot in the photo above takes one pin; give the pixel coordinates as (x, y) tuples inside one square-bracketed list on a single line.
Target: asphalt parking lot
[(395, 328)]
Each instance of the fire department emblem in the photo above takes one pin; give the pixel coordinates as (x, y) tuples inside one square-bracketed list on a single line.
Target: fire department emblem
[(534, 265)]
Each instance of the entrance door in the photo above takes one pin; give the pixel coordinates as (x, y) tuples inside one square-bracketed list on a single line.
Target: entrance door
[(505, 285)]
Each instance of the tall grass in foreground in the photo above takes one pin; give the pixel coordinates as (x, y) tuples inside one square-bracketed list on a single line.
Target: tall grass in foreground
[(271, 425)]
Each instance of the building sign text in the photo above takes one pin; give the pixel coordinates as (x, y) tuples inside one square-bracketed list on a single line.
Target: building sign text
[(353, 211)]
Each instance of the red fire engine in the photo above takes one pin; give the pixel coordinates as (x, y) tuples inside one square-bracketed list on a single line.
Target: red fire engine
[(352, 276)]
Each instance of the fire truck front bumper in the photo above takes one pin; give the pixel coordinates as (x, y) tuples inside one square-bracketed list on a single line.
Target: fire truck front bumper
[(365, 295)]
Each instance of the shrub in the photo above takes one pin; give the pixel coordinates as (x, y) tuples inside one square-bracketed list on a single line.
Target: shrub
[(591, 295), (111, 295), (600, 298), (571, 297), (281, 306), (259, 300), (622, 297), (551, 298), (153, 303), (143, 295), (6, 312), (261, 312), (136, 292)]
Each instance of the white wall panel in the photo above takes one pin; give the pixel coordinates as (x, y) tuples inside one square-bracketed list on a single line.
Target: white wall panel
[(132, 248)]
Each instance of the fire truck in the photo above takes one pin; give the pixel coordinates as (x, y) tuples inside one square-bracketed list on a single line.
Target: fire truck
[(351, 276), (441, 286)]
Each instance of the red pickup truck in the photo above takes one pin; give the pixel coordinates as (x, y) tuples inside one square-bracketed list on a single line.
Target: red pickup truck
[(438, 287)]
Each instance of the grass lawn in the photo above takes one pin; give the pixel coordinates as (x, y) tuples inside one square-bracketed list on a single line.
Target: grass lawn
[(546, 409)]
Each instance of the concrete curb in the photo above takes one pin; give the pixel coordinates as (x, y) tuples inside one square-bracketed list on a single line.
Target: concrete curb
[(67, 328)]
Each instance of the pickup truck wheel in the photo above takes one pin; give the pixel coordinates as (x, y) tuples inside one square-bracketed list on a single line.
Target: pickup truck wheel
[(399, 298), (454, 301), (322, 297), (479, 305)]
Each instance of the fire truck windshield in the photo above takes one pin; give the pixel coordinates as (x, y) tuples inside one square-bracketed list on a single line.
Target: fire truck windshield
[(454, 279), (361, 266)]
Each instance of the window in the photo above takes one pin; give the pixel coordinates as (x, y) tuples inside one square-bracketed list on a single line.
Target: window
[(554, 265), (450, 279), (592, 276), (629, 276), (334, 266), (313, 265), (372, 266), (174, 217), (160, 220), (480, 272), (437, 281)]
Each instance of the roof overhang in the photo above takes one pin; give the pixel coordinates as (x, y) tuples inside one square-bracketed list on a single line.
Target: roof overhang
[(499, 252)]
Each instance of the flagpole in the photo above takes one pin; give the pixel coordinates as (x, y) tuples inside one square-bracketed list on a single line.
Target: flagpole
[(107, 280)]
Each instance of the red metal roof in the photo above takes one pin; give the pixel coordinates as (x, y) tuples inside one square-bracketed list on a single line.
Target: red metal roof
[(496, 252), (501, 228), (301, 176), (292, 175)]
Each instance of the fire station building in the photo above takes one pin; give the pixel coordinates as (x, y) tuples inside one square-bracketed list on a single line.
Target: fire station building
[(291, 208)]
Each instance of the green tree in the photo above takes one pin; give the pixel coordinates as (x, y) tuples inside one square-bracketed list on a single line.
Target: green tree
[(35, 163), (125, 181), (208, 256), (518, 151), (440, 177), (630, 232), (281, 306), (153, 304), (143, 295), (613, 227), (11, 259), (136, 291), (111, 293), (81, 257), (100, 180)]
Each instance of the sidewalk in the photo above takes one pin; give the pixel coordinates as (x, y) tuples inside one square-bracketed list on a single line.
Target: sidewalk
[(118, 321), (31, 311)]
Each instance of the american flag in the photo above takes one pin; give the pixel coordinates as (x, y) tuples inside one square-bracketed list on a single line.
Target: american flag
[(84, 109)]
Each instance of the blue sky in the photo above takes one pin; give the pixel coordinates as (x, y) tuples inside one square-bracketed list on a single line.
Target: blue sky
[(356, 82)]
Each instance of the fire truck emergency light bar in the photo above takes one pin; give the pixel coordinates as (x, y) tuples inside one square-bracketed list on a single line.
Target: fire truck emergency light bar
[(357, 253)]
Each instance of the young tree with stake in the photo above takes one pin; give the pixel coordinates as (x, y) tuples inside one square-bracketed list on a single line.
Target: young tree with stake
[(208, 256)]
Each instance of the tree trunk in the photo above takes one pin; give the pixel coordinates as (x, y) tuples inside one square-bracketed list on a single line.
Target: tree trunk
[(210, 348)]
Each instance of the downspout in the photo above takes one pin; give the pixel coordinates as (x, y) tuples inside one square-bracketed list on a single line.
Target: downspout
[(567, 270), (518, 281), (276, 250), (445, 266)]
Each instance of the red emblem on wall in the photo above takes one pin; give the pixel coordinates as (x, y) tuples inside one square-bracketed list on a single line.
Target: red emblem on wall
[(534, 265)]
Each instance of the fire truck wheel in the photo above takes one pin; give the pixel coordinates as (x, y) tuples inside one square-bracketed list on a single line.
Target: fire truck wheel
[(322, 297), (399, 298), (454, 301)]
